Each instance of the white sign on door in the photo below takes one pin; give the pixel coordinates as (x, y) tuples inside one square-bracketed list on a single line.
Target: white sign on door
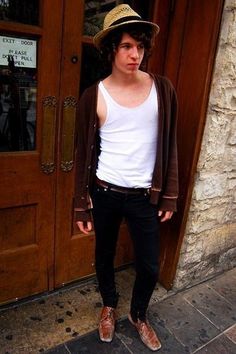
[(21, 50)]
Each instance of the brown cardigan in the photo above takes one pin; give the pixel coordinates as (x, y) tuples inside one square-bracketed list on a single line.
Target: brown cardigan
[(164, 189)]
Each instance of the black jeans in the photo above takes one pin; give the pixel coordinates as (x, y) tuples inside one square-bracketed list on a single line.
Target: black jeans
[(109, 208)]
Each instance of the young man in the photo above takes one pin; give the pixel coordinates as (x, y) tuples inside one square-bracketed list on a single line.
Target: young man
[(126, 163)]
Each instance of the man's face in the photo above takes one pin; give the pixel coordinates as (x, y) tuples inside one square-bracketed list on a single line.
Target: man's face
[(128, 55)]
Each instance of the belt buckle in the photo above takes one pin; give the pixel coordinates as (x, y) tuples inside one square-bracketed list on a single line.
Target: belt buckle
[(146, 191)]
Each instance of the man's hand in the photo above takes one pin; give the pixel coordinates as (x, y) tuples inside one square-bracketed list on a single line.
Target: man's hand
[(165, 215), (84, 226)]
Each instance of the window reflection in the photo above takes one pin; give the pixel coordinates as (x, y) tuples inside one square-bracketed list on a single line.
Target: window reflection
[(95, 12), (93, 68), (22, 11), (18, 89)]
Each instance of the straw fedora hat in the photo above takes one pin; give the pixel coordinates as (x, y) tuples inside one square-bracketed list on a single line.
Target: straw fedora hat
[(119, 16)]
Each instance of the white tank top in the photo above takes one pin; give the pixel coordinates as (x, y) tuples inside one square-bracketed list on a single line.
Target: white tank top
[(128, 142)]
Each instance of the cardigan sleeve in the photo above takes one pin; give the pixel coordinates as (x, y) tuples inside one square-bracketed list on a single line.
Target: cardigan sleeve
[(82, 200), (168, 201)]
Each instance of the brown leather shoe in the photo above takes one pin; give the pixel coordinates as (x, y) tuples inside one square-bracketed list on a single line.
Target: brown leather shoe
[(147, 334), (106, 325)]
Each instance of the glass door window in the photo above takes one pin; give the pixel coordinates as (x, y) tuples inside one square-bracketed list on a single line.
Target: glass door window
[(18, 92), (22, 11)]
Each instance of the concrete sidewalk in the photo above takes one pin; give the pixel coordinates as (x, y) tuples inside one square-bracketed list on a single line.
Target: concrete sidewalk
[(198, 320)]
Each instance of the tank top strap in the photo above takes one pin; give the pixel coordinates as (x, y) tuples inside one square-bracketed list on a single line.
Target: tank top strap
[(104, 92)]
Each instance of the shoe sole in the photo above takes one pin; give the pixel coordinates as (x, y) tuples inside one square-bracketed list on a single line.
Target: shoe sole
[(106, 340)]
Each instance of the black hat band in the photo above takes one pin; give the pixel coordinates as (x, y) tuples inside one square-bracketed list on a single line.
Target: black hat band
[(125, 19)]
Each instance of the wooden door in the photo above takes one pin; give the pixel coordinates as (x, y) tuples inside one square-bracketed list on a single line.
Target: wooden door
[(40, 64), (30, 75)]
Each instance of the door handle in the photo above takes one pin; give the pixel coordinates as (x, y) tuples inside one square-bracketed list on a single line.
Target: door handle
[(68, 133), (48, 134)]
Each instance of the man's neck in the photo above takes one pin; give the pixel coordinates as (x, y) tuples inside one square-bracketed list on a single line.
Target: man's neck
[(124, 79)]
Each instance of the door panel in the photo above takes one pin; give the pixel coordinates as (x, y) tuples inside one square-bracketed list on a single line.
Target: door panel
[(27, 194), (70, 76), (74, 251)]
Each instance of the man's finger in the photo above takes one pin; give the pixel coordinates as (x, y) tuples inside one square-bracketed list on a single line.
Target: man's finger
[(84, 227), (167, 215)]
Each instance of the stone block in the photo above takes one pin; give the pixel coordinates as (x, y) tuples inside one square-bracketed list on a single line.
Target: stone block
[(128, 335), (225, 285), (205, 254), (211, 186), (219, 240), (193, 254), (202, 205), (214, 143), (91, 344), (186, 324), (228, 28), (229, 159), (212, 305), (220, 345), (228, 259), (61, 349), (230, 5), (231, 333), (223, 94), (232, 134)]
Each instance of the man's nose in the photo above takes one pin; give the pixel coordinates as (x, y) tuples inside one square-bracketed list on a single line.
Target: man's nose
[(135, 52)]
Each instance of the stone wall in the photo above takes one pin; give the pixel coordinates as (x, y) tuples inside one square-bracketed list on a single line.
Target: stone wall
[(209, 245)]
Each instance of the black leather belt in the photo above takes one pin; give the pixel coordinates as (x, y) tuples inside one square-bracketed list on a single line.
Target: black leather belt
[(125, 190)]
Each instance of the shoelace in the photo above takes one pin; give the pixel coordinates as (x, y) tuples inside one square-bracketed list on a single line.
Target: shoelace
[(108, 316), (144, 326)]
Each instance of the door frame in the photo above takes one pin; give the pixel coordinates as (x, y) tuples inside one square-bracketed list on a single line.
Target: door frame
[(184, 24)]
